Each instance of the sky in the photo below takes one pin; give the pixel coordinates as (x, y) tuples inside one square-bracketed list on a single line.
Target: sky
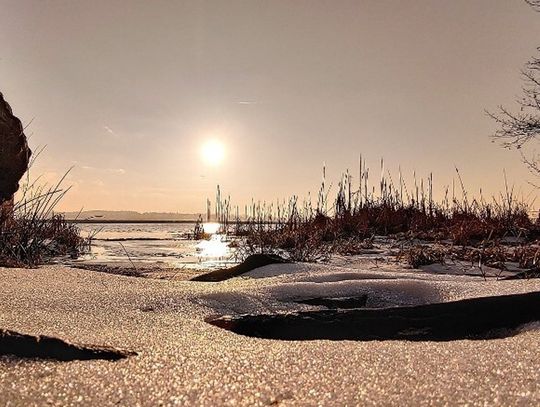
[(128, 92)]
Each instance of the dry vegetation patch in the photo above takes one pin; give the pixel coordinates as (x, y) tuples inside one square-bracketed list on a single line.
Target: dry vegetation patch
[(460, 227)]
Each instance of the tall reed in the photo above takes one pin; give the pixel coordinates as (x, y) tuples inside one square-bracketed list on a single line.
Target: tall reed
[(302, 231)]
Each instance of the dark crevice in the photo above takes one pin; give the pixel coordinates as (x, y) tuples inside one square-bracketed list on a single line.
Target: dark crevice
[(475, 318), (336, 303), (46, 347)]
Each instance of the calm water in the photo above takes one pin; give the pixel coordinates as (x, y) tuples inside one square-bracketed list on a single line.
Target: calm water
[(162, 244)]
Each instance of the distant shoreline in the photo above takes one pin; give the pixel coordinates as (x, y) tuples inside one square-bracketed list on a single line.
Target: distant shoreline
[(128, 221), (139, 221)]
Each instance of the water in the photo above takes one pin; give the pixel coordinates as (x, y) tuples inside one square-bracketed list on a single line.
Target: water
[(161, 244)]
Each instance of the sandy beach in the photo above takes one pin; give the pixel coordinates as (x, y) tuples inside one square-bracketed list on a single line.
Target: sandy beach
[(183, 360), (269, 203)]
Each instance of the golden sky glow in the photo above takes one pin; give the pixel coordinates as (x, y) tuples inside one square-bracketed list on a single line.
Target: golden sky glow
[(128, 92)]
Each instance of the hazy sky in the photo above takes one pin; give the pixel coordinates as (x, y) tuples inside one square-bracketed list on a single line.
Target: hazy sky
[(128, 91)]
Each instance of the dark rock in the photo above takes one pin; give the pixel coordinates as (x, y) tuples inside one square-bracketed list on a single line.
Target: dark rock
[(250, 263), (14, 152), (46, 347), (475, 318)]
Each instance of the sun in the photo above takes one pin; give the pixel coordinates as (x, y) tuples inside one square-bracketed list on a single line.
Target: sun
[(213, 152)]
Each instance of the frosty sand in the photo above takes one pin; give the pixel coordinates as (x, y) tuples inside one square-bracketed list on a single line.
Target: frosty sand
[(181, 359)]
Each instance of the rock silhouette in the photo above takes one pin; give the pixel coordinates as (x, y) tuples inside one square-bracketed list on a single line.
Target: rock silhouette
[(14, 155)]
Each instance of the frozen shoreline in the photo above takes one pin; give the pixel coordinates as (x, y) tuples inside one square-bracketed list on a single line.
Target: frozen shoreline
[(184, 360)]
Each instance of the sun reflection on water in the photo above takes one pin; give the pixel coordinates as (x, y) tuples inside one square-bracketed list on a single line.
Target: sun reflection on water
[(216, 246), (211, 227)]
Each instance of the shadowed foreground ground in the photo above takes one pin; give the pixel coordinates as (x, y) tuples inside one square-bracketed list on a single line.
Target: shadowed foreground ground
[(183, 360), (493, 317)]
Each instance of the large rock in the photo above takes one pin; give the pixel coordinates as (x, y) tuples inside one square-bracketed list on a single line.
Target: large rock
[(14, 154)]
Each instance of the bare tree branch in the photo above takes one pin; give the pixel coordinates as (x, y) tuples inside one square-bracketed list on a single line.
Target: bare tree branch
[(535, 4), (521, 128)]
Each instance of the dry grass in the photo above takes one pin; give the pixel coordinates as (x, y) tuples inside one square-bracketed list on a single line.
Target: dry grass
[(33, 234), (307, 232), (422, 255)]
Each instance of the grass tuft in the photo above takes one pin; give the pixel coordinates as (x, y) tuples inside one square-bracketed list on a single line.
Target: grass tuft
[(32, 234)]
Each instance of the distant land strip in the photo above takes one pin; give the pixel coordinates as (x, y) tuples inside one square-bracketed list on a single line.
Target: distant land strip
[(140, 221), (129, 221)]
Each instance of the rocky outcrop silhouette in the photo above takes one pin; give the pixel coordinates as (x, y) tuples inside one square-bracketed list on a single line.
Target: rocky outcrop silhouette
[(14, 155)]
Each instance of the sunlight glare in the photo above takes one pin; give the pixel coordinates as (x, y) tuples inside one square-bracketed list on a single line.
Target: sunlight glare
[(216, 247), (213, 152), (211, 227)]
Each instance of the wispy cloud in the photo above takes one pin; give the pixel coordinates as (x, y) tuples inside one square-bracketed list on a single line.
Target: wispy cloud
[(110, 131), (119, 171), (248, 102)]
